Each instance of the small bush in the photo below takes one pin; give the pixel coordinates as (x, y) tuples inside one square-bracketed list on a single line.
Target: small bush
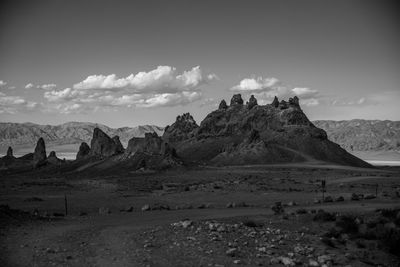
[(301, 211), (348, 224), (252, 223), (324, 216)]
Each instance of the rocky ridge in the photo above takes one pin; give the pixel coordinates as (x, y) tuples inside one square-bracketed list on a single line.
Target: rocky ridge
[(284, 134)]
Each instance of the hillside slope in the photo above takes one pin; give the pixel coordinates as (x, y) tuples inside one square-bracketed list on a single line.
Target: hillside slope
[(363, 135), (12, 134)]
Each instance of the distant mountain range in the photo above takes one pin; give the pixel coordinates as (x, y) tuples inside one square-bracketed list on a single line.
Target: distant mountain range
[(357, 135), (363, 135), (27, 134)]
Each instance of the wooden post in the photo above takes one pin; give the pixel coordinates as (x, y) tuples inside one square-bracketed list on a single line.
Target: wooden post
[(323, 183), (65, 204), (376, 190)]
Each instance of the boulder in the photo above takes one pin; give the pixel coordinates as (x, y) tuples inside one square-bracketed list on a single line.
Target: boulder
[(39, 156), (252, 102), (237, 100), (102, 145), (223, 105), (84, 151)]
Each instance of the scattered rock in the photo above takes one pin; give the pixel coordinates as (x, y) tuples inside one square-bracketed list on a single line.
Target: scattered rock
[(232, 252), (146, 207), (104, 210)]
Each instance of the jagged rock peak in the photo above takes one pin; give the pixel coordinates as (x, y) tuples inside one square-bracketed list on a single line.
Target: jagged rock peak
[(40, 151), (236, 100), (275, 103), (294, 101), (84, 151), (10, 152), (185, 117), (223, 105), (151, 144), (103, 145), (252, 102), (181, 129), (52, 154)]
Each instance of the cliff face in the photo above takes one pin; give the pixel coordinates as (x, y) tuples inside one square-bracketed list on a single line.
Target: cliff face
[(251, 133), (103, 145)]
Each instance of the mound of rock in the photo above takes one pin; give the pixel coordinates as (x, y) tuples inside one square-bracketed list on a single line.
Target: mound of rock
[(181, 129), (84, 151), (151, 152), (252, 133), (53, 159), (10, 152), (104, 146), (39, 155)]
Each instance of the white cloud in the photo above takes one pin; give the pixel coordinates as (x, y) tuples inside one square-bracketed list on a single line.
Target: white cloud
[(256, 84), (352, 102), (63, 95), (2, 83), (309, 102), (14, 104), (11, 87), (49, 86), (265, 89), (156, 88), (29, 86), (168, 99), (304, 92), (163, 79)]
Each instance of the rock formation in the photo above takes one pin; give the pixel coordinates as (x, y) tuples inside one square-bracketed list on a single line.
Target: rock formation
[(52, 158), (119, 147), (275, 102), (39, 156), (236, 100), (9, 152), (278, 132), (104, 146), (252, 102), (150, 144), (151, 152), (181, 129), (222, 105), (84, 151)]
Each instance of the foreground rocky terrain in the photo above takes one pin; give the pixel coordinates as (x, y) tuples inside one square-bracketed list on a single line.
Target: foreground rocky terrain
[(206, 216)]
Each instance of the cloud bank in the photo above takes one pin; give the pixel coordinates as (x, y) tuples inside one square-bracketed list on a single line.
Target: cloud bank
[(160, 87)]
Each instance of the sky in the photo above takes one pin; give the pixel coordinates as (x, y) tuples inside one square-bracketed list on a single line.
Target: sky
[(128, 63)]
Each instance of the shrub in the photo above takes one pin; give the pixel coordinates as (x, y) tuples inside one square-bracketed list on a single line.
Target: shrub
[(347, 223), (324, 216)]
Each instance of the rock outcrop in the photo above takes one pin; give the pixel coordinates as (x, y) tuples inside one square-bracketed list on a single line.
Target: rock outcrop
[(222, 105), (119, 147), (150, 144), (237, 100), (275, 102), (53, 159), (278, 132), (10, 152), (252, 102), (104, 146), (181, 129), (39, 155), (84, 151), (151, 152)]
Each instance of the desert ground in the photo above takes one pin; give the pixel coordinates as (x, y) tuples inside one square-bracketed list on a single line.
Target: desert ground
[(202, 216)]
